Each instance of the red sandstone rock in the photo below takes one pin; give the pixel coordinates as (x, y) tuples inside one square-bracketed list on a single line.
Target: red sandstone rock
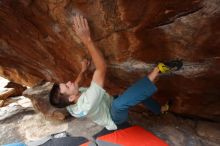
[(37, 42), (7, 93), (1, 103), (18, 88)]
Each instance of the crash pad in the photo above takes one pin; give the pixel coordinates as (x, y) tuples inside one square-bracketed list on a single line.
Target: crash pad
[(132, 136)]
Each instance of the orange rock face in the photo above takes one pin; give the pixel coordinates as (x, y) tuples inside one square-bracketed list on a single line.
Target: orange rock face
[(37, 42)]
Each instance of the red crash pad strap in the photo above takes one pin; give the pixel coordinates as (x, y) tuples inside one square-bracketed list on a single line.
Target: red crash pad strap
[(132, 136)]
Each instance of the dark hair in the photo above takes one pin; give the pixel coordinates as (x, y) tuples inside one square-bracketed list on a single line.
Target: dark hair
[(58, 99)]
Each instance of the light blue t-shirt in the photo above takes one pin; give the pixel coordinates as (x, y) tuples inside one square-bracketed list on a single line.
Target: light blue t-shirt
[(94, 103)]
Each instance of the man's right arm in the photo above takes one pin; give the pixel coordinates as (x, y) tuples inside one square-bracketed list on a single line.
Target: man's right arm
[(99, 74), (82, 30)]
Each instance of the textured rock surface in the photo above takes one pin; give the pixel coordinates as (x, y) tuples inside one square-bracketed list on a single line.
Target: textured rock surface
[(15, 106), (37, 42), (209, 130), (1, 103), (40, 100), (177, 131), (18, 88), (7, 92)]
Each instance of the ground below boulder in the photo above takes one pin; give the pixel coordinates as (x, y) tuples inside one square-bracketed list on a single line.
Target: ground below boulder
[(176, 131)]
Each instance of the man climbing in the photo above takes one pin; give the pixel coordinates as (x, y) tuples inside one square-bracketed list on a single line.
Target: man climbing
[(94, 102)]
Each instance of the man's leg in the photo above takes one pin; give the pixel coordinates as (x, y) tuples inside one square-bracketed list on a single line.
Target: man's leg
[(154, 74), (141, 91), (138, 92), (150, 103)]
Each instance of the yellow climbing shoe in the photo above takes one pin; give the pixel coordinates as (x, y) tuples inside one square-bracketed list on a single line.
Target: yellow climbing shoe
[(163, 68), (169, 66)]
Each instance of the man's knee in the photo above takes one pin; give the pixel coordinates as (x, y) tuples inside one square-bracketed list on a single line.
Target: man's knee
[(118, 113)]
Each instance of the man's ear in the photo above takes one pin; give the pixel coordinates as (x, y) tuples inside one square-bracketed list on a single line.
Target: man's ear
[(71, 98)]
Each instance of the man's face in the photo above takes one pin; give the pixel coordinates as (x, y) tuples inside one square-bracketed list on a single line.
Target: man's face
[(69, 88)]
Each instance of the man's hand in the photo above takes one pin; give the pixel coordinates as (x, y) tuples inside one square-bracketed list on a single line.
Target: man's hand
[(81, 27), (85, 64)]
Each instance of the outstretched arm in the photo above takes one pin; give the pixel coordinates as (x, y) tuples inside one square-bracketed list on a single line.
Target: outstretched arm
[(82, 30)]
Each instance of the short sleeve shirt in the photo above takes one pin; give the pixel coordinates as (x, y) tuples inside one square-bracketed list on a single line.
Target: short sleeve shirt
[(94, 103)]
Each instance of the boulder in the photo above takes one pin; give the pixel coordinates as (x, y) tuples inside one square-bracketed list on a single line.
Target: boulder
[(40, 100), (209, 130), (20, 105), (37, 42), (18, 88), (1, 103), (7, 92)]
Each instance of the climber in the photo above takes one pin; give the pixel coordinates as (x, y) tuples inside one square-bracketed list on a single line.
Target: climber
[(94, 102)]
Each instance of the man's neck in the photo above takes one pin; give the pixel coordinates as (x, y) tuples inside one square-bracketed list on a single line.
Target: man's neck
[(77, 97)]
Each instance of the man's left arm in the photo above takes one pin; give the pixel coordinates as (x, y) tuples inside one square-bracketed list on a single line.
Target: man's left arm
[(84, 66)]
